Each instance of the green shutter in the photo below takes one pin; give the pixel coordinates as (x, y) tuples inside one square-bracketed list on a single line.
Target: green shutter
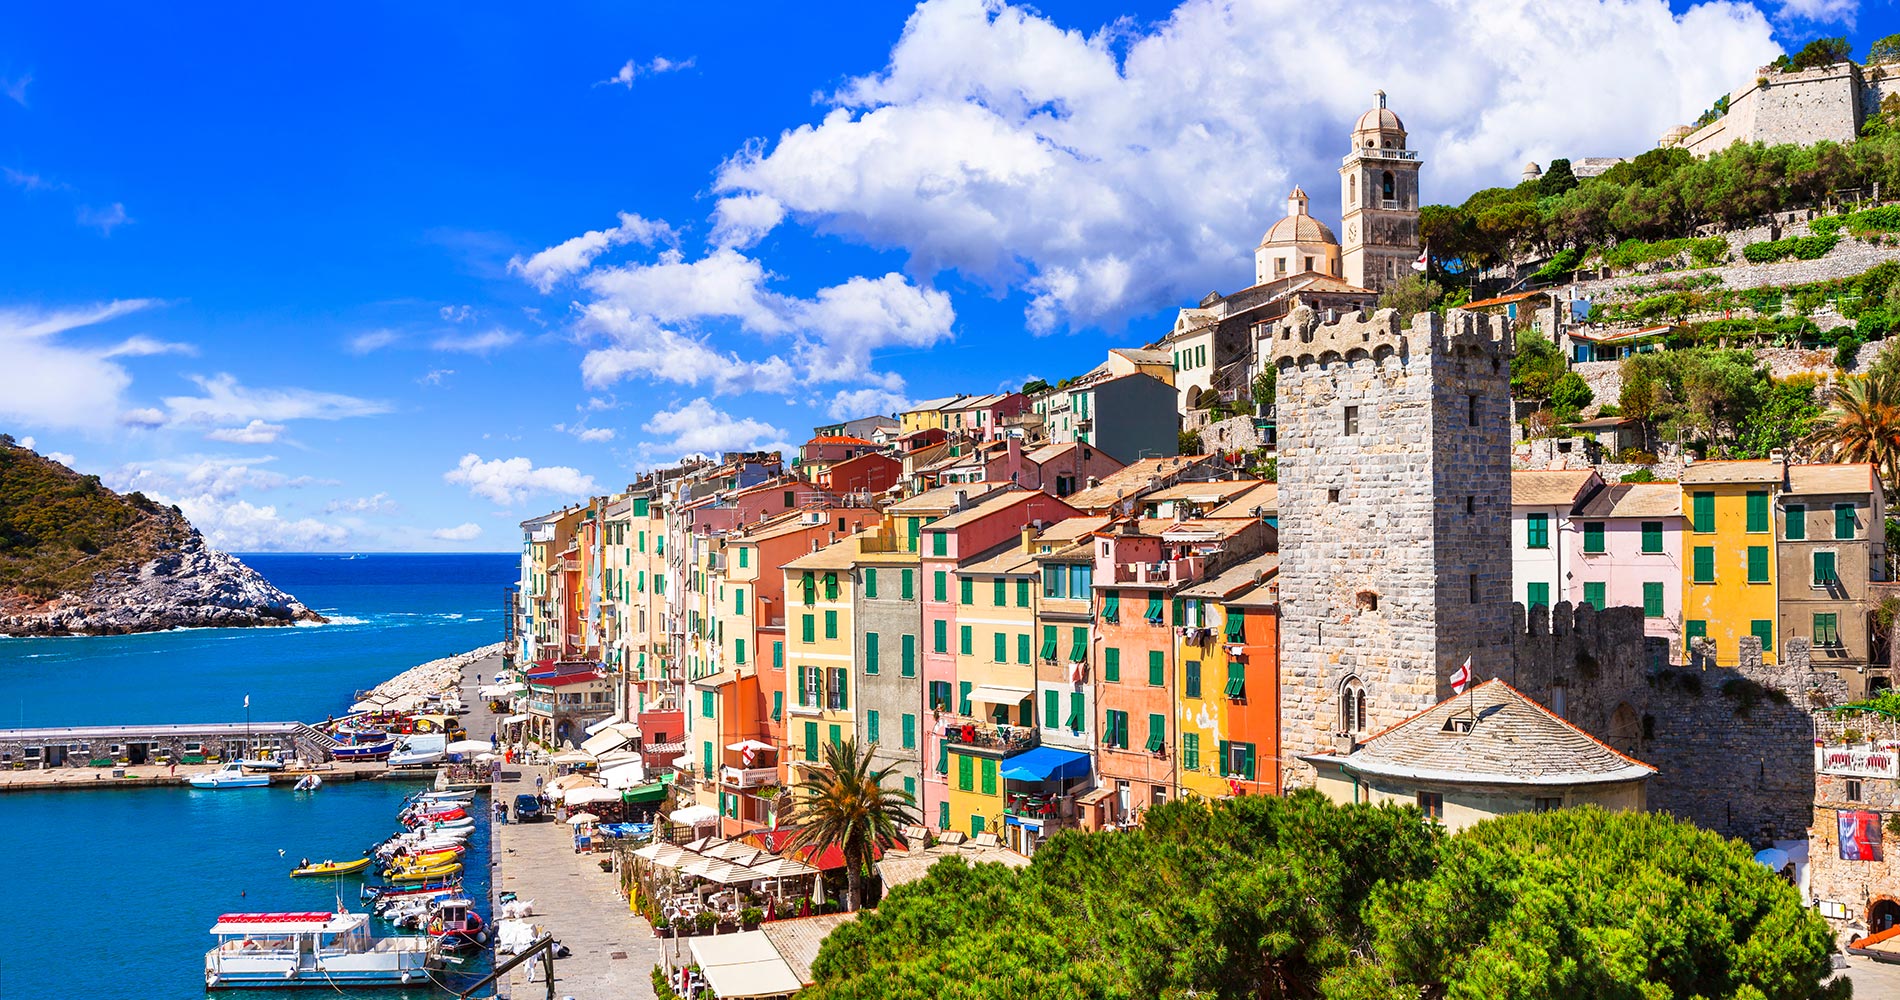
[(1765, 631), (939, 586), (1022, 647), (943, 759), (844, 687), (706, 704), (870, 725), (999, 643), (906, 585), (870, 652), (1226, 754), (966, 591), (811, 741), (1702, 518), (940, 636), (943, 809), (999, 592), (989, 776), (1078, 644), (1022, 593), (738, 651), (963, 640), (808, 628), (1704, 564), (1652, 600), (963, 698), (1157, 669), (1155, 611), (1190, 751), (1757, 511), (1191, 686), (1111, 606), (1758, 564), (1236, 679), (1180, 612), (1844, 520), (1794, 522), (778, 705), (831, 624), (1537, 595), (742, 557), (837, 737), (910, 655), (870, 583), (1111, 664), (1593, 595), (966, 772), (1824, 571), (1827, 629), (1537, 531), (939, 543), (1593, 536), (804, 691), (1051, 707), (809, 583), (1246, 761), (1075, 721), (1157, 733), (706, 755), (778, 655), (1236, 625), (1048, 642), (910, 731)]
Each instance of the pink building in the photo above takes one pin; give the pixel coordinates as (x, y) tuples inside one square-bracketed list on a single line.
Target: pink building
[(869, 473), (724, 511), (983, 417), (1626, 551)]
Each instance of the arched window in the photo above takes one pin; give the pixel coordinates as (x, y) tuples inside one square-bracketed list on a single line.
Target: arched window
[(1387, 187), (1352, 190), (1626, 731), (1352, 706)]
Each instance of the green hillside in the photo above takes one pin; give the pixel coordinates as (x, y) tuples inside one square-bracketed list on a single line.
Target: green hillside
[(59, 529)]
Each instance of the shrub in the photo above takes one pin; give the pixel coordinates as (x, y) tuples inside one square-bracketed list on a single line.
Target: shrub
[(1827, 225), (1636, 456), (1560, 266), (1846, 351), (1798, 247), (1885, 219), (1639, 476)]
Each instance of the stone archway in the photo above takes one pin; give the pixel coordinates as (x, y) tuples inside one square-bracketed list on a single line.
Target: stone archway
[(1883, 912)]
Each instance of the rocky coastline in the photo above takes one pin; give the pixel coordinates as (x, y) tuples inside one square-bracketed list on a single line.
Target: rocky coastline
[(435, 676)]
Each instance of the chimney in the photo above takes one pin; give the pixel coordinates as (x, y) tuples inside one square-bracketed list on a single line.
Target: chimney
[(1778, 456), (961, 498), (1094, 481), (1029, 534)]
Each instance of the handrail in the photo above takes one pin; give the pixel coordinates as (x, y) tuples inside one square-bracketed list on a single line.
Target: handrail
[(544, 945)]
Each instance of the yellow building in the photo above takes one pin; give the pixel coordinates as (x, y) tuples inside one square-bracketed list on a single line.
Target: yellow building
[(928, 415), (818, 645), (1728, 559)]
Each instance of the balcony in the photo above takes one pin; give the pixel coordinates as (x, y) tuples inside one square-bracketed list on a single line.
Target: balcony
[(1380, 153), (1001, 740), (1865, 760), (748, 777), (1166, 573)]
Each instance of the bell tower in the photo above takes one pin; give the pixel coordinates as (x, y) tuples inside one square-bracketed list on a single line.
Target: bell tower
[(1378, 196)]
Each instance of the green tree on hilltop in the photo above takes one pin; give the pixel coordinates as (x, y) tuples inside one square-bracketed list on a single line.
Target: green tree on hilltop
[(1884, 50), (1557, 180), (1820, 52), (1535, 368)]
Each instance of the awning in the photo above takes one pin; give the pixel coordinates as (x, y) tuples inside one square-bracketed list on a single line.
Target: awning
[(744, 965), (612, 720), (514, 720), (1044, 763), (644, 793), (609, 738), (694, 815), (625, 775), (996, 694), (1095, 797), (750, 745)]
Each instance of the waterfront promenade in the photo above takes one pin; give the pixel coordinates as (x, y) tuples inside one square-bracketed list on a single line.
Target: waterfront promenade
[(612, 950)]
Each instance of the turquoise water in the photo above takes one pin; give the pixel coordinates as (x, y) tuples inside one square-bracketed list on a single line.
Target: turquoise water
[(111, 893)]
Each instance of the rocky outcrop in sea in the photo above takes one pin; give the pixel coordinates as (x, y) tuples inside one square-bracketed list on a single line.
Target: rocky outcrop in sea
[(189, 585)]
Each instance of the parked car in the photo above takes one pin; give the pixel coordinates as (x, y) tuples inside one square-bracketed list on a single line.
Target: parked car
[(527, 807)]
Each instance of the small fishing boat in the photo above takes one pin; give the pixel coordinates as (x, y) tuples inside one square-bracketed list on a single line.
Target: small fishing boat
[(330, 868), (308, 783), (465, 795), (455, 925), (385, 893), (447, 855), (364, 751), (431, 816), (315, 949), (231, 775)]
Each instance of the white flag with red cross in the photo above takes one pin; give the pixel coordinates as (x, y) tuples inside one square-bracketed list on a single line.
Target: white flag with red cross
[(1461, 678)]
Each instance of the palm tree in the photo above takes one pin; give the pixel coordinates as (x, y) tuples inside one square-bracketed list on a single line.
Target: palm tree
[(845, 804), (1863, 425)]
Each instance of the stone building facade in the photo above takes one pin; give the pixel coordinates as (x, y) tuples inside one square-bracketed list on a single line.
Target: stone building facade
[(1395, 444), (1378, 192), (1804, 107)]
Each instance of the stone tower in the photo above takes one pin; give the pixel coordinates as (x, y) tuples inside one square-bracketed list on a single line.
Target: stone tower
[(1395, 493), (1378, 195)]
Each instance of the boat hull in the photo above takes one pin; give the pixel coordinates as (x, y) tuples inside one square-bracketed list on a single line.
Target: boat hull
[(248, 781), (368, 751)]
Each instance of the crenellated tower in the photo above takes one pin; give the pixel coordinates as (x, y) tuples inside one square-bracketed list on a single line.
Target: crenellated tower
[(1394, 447), (1378, 196)]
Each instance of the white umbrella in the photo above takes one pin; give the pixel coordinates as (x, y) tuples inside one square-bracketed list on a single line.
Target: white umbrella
[(751, 745), (468, 746), (484, 755), (583, 796), (581, 819)]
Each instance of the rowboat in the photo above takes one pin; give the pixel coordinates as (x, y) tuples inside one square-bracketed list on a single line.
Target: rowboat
[(330, 868)]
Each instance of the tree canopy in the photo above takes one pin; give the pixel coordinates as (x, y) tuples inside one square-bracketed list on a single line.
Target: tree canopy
[(1266, 897)]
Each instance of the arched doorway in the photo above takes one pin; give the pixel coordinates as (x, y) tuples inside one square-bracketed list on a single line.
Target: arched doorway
[(1625, 730), (1882, 914)]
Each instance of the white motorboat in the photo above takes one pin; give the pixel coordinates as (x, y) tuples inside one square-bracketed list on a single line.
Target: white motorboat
[(231, 775), (313, 949), (465, 795), (262, 763)]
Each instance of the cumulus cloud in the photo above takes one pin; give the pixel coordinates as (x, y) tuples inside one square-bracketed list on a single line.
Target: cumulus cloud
[(28, 442), (465, 532), (508, 481), (700, 427), (372, 340), (476, 343), (255, 432), (548, 268), (104, 219), (376, 504), (214, 476), (241, 526), (1112, 173), (851, 404), (144, 417), (65, 458), (632, 70), (225, 400), (1820, 11), (591, 435), (47, 381), (744, 219)]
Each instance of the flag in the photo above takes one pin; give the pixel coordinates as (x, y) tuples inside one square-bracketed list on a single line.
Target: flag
[(1461, 678), (247, 701), (1423, 257)]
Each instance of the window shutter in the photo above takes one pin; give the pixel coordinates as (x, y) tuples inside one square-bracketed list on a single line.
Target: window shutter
[(1794, 520), (1191, 687), (966, 591), (1247, 752), (811, 741), (940, 635), (870, 652), (1226, 756), (910, 655), (870, 583), (963, 698), (910, 731), (964, 639), (1051, 707), (1180, 612), (1236, 624), (1652, 600), (1705, 564), (906, 588), (1758, 564), (1079, 644), (1593, 595), (1765, 631), (803, 694), (1236, 679), (1702, 506), (810, 585), (939, 587), (1157, 669), (999, 647), (1593, 536), (1157, 733), (1757, 511), (1022, 594), (1022, 647), (1111, 606), (870, 724), (999, 592), (940, 544), (1190, 751), (1155, 610), (1075, 721), (1111, 664), (964, 772), (943, 761), (1824, 572), (778, 705), (1843, 521), (989, 776), (1048, 642)]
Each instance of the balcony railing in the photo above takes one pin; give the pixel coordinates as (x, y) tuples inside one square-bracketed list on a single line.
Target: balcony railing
[(1164, 573), (1381, 153), (990, 736), (1865, 760), (748, 777)]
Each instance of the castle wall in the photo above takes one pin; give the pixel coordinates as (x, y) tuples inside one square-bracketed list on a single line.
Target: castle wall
[(1824, 103)]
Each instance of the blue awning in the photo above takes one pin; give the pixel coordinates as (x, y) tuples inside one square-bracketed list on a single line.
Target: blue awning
[(1044, 763)]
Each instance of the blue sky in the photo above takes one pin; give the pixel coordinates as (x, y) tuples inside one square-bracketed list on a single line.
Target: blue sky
[(396, 277)]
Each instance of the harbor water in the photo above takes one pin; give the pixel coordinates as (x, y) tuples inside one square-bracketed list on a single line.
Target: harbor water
[(112, 893)]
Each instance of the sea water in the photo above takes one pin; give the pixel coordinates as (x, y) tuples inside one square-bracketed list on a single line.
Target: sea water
[(110, 894)]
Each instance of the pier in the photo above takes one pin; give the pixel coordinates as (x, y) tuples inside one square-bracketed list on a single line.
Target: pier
[(148, 756)]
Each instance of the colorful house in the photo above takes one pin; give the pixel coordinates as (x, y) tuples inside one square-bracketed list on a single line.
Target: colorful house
[(818, 651), (1228, 714), (1832, 547), (1627, 553), (1728, 591), (1544, 504)]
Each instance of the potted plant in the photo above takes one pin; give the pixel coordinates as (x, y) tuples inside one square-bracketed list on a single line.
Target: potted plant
[(661, 926), (750, 917), (705, 921)]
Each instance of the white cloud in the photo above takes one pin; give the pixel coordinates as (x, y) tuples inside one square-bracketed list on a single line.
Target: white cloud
[(28, 442), (145, 417), (373, 340), (851, 404), (434, 376), (212, 476), (241, 526), (744, 219), (700, 427), (104, 219), (226, 401), (1821, 11), (548, 268), (64, 458), (47, 382), (508, 481), (30, 182), (16, 89), (145, 347), (465, 532), (377, 504), (476, 343), (631, 70), (596, 435), (1114, 173), (255, 432), (458, 314)]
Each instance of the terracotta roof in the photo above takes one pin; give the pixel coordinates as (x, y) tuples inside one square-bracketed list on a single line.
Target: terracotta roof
[(839, 439), (1142, 356), (940, 499), (1515, 741), (838, 555), (1219, 491), (1071, 528), (797, 941), (1755, 471), (1502, 300), (1617, 336), (1602, 423), (1237, 579), (1832, 478), (983, 508), (1635, 500), (1265, 496), (1008, 557), (1549, 487), (1132, 479)]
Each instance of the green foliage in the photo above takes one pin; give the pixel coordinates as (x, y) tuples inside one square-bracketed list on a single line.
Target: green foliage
[(1798, 247), (1723, 397), (1188, 442), (1557, 180), (59, 529), (1559, 266), (1716, 111), (1639, 476), (1265, 897), (1702, 252), (1265, 385), (846, 804), (1035, 385), (1569, 394), (1411, 294), (1820, 52), (1884, 50), (1535, 368)]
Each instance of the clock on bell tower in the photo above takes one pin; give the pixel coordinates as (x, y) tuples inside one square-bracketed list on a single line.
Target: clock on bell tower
[(1378, 190)]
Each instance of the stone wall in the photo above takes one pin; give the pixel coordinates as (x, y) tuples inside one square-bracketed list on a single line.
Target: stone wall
[(1849, 258), (1733, 747), (1232, 434)]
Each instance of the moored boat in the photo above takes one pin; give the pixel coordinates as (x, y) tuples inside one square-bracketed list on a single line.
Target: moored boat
[(455, 925), (262, 764), (231, 775), (330, 868), (429, 874), (314, 949), (364, 751)]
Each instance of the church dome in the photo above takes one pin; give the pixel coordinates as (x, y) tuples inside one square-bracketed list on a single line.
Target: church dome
[(1379, 119), (1298, 227), (1379, 128)]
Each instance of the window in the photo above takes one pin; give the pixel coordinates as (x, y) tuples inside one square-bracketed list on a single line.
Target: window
[(1795, 522), (1704, 564), (706, 704), (1022, 648), (1236, 680), (1537, 531), (1048, 651), (1155, 612), (976, 825), (910, 732), (939, 586), (870, 725), (1652, 600), (1157, 733), (778, 656), (940, 636), (966, 591), (940, 696), (1051, 708), (1236, 760), (1193, 687), (1852, 791), (1081, 581), (1352, 706), (965, 639), (835, 693), (1022, 593), (940, 541), (1693, 629), (811, 741), (1827, 629), (1075, 721), (1757, 512), (1236, 625), (778, 705), (1824, 571), (738, 599), (909, 668), (1157, 669), (1116, 730), (1844, 520), (907, 585), (1593, 537), (1758, 564), (1537, 595), (1593, 595), (1332, 496), (1078, 644), (999, 647), (1702, 508), (1652, 537), (989, 776), (1191, 751), (1053, 582), (1549, 804), (1388, 188), (1471, 409), (966, 772), (943, 814), (831, 624), (999, 592), (963, 698), (738, 651), (1352, 420), (910, 789), (870, 652), (1765, 631), (809, 583), (1432, 804), (1472, 584), (870, 583), (1111, 664)]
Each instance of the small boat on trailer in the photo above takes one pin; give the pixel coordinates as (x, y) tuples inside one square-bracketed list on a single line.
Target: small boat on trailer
[(311, 949)]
